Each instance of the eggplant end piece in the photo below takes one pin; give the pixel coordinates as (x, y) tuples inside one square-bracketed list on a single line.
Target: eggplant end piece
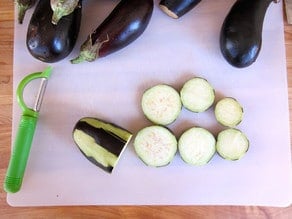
[(102, 143)]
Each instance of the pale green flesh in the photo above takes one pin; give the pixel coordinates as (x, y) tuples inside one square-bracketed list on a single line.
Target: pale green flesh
[(123, 134), (90, 148), (228, 112), (155, 145), (197, 95), (197, 146), (161, 104), (232, 144)]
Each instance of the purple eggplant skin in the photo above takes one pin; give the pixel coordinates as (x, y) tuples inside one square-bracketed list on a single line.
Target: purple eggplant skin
[(48, 42), (177, 8), (241, 32), (122, 26)]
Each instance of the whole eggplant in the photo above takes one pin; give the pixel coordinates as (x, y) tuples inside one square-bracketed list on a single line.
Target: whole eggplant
[(124, 24), (22, 7), (241, 32), (177, 8), (48, 42)]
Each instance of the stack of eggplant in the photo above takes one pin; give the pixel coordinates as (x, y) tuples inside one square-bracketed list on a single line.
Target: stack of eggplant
[(55, 24)]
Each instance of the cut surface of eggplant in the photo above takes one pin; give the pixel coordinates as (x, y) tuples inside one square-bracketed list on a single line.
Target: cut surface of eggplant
[(177, 8), (197, 95), (101, 142), (161, 104), (124, 24), (155, 146), (228, 112), (48, 42), (232, 144), (197, 146), (241, 32)]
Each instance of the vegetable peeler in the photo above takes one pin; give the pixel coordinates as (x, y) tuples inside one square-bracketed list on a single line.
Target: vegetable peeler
[(25, 133)]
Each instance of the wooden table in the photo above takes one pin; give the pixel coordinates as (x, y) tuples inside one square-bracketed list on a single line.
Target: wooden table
[(6, 73)]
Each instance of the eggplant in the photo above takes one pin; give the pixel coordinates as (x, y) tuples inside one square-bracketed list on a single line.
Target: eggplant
[(101, 142), (122, 26), (62, 8), (177, 8), (48, 42), (241, 32), (22, 7)]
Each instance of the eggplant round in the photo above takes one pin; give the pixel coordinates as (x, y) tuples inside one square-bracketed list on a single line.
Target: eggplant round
[(241, 32), (48, 42), (122, 26), (177, 8)]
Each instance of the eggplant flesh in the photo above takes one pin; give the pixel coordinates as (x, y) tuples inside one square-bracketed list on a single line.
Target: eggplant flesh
[(102, 143), (241, 32), (122, 26), (177, 8), (48, 42)]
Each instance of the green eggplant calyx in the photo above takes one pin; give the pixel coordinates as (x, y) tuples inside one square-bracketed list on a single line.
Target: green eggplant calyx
[(62, 8), (21, 12), (89, 51)]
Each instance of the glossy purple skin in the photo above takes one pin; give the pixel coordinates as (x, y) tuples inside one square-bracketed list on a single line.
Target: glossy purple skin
[(124, 24), (241, 32), (48, 42)]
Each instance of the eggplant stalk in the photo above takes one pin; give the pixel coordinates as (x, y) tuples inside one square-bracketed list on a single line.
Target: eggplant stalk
[(22, 7), (62, 8)]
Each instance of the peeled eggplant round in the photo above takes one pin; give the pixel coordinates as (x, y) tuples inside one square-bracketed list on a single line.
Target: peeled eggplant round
[(241, 32)]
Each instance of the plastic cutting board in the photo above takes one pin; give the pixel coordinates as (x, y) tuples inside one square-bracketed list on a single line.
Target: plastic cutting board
[(170, 51)]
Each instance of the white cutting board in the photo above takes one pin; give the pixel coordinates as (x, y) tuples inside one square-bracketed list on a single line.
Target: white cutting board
[(170, 51)]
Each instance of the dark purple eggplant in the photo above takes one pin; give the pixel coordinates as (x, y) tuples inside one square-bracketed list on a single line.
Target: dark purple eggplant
[(177, 8), (22, 7), (125, 23), (48, 42), (241, 32)]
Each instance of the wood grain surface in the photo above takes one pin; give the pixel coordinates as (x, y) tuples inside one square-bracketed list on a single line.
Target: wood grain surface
[(6, 76)]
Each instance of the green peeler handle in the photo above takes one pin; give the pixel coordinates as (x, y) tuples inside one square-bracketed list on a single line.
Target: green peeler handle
[(24, 136), (20, 153)]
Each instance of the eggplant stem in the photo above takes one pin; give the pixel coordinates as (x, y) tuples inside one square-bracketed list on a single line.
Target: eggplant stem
[(89, 51), (57, 15), (21, 12), (62, 8)]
